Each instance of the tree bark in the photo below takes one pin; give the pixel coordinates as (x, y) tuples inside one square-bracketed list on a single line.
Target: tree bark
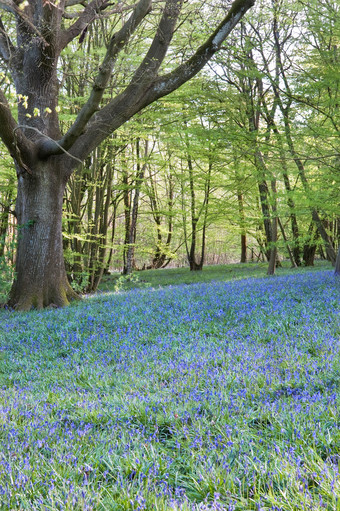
[(36, 144), (40, 271), (243, 227), (337, 264), (290, 253), (309, 248), (130, 253), (273, 247)]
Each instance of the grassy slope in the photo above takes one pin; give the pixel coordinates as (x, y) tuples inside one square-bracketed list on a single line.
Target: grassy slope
[(225, 272), (212, 396)]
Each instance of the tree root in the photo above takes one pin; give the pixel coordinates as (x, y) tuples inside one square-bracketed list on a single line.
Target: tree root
[(54, 296)]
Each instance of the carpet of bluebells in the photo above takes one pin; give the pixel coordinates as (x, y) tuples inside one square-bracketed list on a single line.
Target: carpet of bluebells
[(219, 396)]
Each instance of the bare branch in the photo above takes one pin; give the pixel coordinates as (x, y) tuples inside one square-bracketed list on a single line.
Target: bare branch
[(70, 3), (22, 127)]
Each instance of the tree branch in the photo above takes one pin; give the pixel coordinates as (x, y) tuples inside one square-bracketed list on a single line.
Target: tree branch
[(6, 46), (88, 15), (118, 9), (144, 88), (19, 147), (22, 127), (117, 42), (10, 6), (70, 3), (126, 104), (159, 46), (172, 81)]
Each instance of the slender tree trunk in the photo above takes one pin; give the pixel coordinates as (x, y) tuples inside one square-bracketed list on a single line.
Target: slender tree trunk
[(302, 174), (291, 254), (309, 248), (127, 213), (194, 266), (113, 232), (264, 201), (285, 110), (337, 264), (243, 227), (205, 218), (130, 253), (273, 247), (75, 195), (4, 223), (290, 202), (41, 277), (159, 259), (104, 224)]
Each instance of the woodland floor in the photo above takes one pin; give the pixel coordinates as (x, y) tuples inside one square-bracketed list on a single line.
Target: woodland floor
[(217, 395)]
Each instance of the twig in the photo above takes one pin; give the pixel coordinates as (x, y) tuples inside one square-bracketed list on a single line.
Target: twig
[(20, 126)]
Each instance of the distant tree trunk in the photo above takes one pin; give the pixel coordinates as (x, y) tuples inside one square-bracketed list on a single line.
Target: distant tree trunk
[(291, 255), (273, 247), (309, 255), (286, 110), (160, 256), (205, 218), (242, 226), (72, 242), (195, 216), (253, 115), (4, 221), (112, 223), (127, 215), (130, 251), (99, 269), (290, 202), (337, 264), (194, 266), (309, 248), (302, 174), (41, 277)]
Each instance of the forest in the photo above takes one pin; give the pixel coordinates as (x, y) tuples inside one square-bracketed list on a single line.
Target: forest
[(236, 160), (169, 255)]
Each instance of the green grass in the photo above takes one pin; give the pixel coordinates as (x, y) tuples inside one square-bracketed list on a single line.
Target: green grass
[(223, 272)]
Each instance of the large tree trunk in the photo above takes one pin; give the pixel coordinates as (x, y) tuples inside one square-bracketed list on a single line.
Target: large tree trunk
[(35, 141), (40, 271)]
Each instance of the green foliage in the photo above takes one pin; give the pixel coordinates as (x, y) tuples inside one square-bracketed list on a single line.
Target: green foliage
[(125, 282), (7, 273)]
